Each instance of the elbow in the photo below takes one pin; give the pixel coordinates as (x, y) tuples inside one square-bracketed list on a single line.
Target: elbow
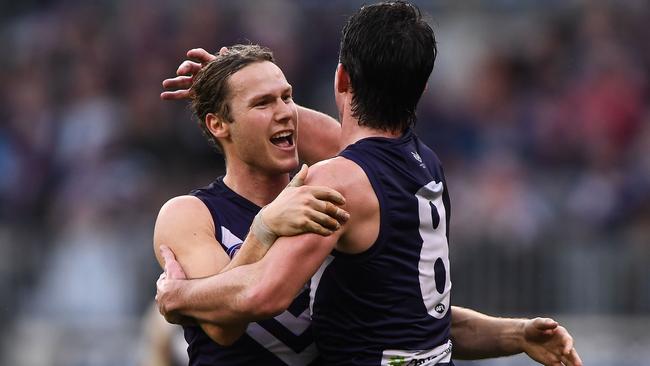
[(265, 302), (225, 340), (223, 336)]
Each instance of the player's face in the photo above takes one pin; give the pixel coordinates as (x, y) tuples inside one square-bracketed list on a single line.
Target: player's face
[(266, 118)]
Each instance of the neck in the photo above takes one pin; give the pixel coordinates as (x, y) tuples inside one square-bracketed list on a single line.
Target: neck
[(352, 132), (253, 184)]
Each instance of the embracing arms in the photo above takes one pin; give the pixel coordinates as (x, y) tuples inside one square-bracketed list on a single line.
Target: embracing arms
[(185, 225), (259, 290)]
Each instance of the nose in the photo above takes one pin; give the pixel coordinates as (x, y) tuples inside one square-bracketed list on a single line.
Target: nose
[(283, 111)]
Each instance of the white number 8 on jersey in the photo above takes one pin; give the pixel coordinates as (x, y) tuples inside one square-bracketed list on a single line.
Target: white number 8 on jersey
[(433, 267)]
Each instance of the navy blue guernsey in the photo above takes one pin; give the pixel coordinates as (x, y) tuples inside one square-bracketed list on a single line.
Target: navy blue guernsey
[(390, 304), (284, 340)]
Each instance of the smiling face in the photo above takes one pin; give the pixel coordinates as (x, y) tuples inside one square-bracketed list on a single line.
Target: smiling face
[(265, 119)]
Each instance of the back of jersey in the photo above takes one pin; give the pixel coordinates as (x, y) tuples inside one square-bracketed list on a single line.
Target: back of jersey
[(284, 340), (390, 304)]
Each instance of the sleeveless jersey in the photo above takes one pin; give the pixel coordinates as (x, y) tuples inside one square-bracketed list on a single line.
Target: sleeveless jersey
[(284, 340), (390, 304)]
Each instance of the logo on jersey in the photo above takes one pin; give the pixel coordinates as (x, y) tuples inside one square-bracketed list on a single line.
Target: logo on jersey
[(430, 357), (440, 308), (417, 157)]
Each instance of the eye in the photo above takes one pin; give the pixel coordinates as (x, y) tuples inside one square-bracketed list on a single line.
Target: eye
[(261, 104), (287, 98)]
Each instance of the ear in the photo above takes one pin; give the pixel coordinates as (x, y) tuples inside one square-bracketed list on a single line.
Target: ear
[(342, 79), (217, 126)]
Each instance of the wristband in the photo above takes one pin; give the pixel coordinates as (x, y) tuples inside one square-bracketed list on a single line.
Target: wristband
[(261, 231)]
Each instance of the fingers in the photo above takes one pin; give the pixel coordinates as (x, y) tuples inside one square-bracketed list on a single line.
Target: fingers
[(188, 68), (573, 359), (326, 194), (565, 340), (299, 179), (316, 228), (166, 254), (338, 213), (175, 95), (325, 221), (179, 82), (203, 56), (173, 269), (223, 50), (545, 323), (182, 84)]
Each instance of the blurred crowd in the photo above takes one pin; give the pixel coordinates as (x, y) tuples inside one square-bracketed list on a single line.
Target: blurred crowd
[(539, 111)]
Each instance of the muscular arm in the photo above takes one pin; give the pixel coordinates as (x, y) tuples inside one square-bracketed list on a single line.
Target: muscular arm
[(186, 226), (255, 291), (477, 335), (319, 136), (261, 289)]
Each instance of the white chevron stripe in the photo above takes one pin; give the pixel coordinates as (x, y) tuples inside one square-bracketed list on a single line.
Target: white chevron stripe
[(315, 280), (297, 325), (286, 354), (229, 239)]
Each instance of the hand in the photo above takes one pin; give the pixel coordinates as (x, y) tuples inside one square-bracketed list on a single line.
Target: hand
[(299, 209), (198, 57), (549, 343), (165, 287)]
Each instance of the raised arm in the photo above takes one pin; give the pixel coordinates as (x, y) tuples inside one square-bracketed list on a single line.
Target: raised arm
[(477, 336), (319, 136)]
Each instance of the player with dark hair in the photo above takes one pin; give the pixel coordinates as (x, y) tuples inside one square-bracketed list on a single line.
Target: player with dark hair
[(380, 285), (244, 106)]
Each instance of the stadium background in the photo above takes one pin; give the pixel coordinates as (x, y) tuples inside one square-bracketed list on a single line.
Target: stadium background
[(539, 110)]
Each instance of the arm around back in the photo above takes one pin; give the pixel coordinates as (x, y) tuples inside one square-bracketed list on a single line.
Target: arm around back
[(267, 287), (319, 136)]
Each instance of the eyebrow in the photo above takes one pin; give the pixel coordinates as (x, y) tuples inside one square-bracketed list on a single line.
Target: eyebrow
[(268, 96)]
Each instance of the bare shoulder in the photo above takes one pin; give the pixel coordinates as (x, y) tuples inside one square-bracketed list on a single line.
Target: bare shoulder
[(184, 224), (184, 212), (338, 173), (349, 179)]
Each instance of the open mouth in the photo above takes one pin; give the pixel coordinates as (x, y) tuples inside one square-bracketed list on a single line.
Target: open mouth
[(282, 139)]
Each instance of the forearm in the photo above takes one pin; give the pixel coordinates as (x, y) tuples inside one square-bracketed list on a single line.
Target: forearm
[(476, 335), (228, 332), (222, 299), (319, 136), (251, 251)]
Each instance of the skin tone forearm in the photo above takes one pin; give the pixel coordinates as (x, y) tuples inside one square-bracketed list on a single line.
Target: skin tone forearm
[(219, 299), (250, 292), (477, 335), (319, 136), (226, 334)]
